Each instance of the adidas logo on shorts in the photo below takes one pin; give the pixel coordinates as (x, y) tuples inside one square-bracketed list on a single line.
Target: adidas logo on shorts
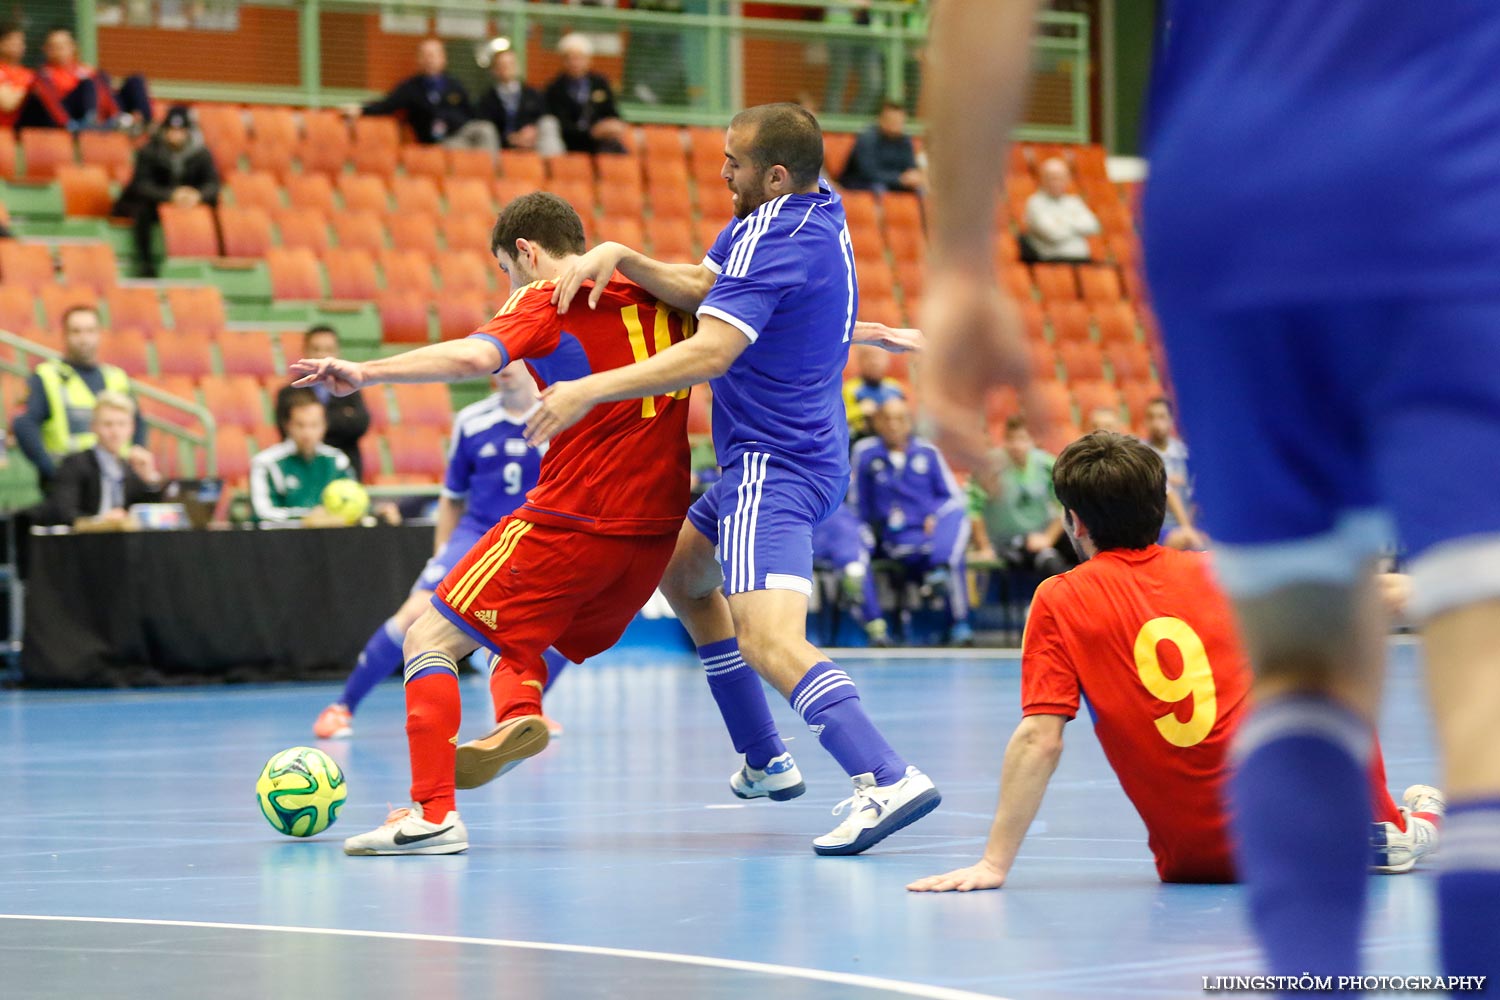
[(486, 617)]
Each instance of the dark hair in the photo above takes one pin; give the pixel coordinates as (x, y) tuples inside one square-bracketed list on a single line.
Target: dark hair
[(313, 331), (785, 134), (291, 400), (1015, 422), (80, 308), (1163, 401), (542, 218), (1116, 485), (9, 27)]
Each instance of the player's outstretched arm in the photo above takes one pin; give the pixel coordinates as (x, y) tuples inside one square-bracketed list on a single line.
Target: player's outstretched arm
[(682, 286), (454, 361), (897, 340), (1030, 758)]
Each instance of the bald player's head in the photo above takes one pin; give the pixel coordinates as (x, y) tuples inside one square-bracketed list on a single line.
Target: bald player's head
[(893, 423)]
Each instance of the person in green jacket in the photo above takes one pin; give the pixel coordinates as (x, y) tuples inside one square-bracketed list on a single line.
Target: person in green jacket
[(287, 479)]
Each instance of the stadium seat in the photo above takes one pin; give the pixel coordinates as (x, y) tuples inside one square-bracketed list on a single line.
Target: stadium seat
[(1000, 404), (508, 190), (234, 400), (1130, 360), (7, 155), (134, 308), (370, 458), (461, 314), (1137, 394), (406, 271), (423, 161), (1094, 394), (671, 240), (273, 157), (1055, 281), (671, 171), (523, 165), (1052, 401), (880, 309), (265, 436), (416, 195), (902, 211), (377, 145), (859, 209), (876, 279), (314, 191), (351, 274), (27, 265), (836, 149), (469, 196), (232, 451), (912, 276), (424, 405), (359, 231), (180, 387), (705, 143), (415, 231), (463, 272), (274, 124), (221, 123), (246, 231), (623, 229), (325, 143), (243, 352), (17, 310), (189, 232), (621, 170), (58, 299), (706, 230), (661, 143), (303, 229), (467, 232), (417, 451), (866, 238), (363, 193), (403, 318), (91, 264), (184, 353), (378, 401), (622, 198), (672, 201), (1043, 360), (294, 273), (472, 163), (253, 190), (1070, 321), (568, 167), (1018, 281), (109, 150), (45, 149), (196, 309), (126, 349), (85, 191), (1081, 359), (579, 194), (1059, 435), (1099, 283), (1116, 322), (1123, 249)]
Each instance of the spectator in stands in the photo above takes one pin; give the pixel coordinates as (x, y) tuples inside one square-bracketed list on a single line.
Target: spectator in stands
[(870, 388), (346, 416), (287, 479), (1058, 224), (106, 479), (1177, 530), (905, 492), (1016, 515), (15, 79), (844, 545), (60, 396), (434, 104), (173, 168), (883, 157), (510, 104), (69, 94), (1105, 418), (583, 102)]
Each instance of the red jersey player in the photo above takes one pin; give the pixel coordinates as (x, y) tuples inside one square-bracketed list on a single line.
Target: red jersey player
[(1145, 634), (575, 563)]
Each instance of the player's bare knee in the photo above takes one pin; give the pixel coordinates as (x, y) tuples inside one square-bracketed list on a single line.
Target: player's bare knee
[(692, 574)]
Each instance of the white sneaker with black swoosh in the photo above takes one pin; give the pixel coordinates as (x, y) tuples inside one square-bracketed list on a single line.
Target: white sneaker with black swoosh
[(877, 811), (406, 832)]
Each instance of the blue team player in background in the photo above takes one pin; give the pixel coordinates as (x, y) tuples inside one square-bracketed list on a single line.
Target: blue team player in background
[(1323, 254), (491, 468)]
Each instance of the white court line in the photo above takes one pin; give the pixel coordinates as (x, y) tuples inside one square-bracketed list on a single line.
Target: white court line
[(764, 968)]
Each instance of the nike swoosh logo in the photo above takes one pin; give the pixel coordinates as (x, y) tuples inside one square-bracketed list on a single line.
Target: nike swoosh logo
[(402, 839)]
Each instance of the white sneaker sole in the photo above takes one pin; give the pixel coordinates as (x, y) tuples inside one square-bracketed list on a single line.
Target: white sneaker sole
[(458, 847), (899, 819), (481, 761), (761, 791)]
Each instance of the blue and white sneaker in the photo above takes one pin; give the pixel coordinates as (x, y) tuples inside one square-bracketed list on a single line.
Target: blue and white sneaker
[(877, 811), (778, 782)]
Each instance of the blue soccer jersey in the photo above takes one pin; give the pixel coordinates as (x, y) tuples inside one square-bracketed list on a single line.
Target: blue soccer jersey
[(490, 465), (896, 492), (786, 281)]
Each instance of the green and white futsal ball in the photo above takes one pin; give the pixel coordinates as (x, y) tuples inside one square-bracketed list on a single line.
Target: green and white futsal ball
[(346, 500), (301, 791)]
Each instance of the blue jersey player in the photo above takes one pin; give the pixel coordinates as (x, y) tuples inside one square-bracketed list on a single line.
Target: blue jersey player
[(1323, 255), (776, 299), (490, 470)]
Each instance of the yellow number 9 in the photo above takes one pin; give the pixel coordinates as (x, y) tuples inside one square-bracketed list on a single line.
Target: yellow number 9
[(1196, 681)]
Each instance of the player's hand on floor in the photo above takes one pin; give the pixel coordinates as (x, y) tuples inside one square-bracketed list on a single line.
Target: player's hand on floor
[(979, 876), (897, 340), (597, 265), (340, 376), (562, 405)]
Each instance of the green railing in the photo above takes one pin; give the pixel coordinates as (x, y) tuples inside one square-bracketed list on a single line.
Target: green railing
[(678, 61)]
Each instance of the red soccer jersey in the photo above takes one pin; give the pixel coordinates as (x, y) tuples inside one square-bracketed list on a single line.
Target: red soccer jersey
[(1147, 637), (623, 468)]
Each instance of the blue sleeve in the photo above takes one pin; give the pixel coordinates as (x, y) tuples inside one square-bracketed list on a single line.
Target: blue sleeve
[(719, 252), (28, 427), (762, 268), (460, 468), (863, 488)]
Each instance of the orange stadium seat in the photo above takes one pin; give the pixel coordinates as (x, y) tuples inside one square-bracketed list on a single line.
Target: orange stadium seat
[(624, 229), (294, 273), (91, 264), (508, 190), (1000, 405), (302, 229), (523, 165), (668, 171), (272, 156), (325, 144), (619, 170), (253, 190), (234, 400), (1081, 360), (579, 194), (661, 143), (178, 386), (879, 309), (1043, 360), (1018, 281), (110, 150), (363, 193), (469, 196), (414, 231), (403, 318), (1094, 394), (1070, 321), (85, 191), (45, 149), (17, 310), (859, 209), (1061, 434), (705, 143), (913, 278), (1055, 281), (461, 314), (28, 265), (184, 353), (472, 163), (58, 299), (265, 436), (189, 232), (406, 271), (1116, 322), (1137, 394), (416, 194), (671, 200), (876, 279), (134, 308), (836, 149), (1130, 360), (7, 155), (276, 124), (1052, 402), (359, 231), (196, 309), (571, 167), (126, 349), (1123, 249), (422, 161), (247, 231), (370, 458), (903, 211), (706, 230), (246, 353), (377, 145), (622, 198), (463, 272), (232, 450), (351, 274), (672, 240), (222, 124), (378, 402), (424, 405), (1099, 283), (418, 451), (467, 232), (314, 191)]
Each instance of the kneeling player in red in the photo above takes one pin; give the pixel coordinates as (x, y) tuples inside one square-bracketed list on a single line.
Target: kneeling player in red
[(572, 565), (1146, 636)]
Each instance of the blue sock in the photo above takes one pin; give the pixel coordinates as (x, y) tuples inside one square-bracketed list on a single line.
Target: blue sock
[(829, 702), (555, 663), (1301, 805), (1469, 889), (742, 702), (381, 657)]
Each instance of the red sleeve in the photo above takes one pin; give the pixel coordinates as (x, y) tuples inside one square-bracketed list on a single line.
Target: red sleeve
[(527, 326), (1049, 682)]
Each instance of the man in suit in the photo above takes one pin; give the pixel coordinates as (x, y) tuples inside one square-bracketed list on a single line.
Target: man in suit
[(173, 167), (510, 104), (348, 420), (584, 102), (108, 478), (434, 104)]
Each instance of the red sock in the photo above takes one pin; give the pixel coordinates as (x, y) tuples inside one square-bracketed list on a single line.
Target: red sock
[(433, 712), (516, 684), (1385, 808)]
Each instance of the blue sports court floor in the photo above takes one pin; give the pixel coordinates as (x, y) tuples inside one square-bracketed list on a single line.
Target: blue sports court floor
[(614, 865)]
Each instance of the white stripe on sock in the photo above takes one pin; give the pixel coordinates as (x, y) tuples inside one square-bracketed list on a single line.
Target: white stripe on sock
[(813, 691), (1303, 718), (1470, 841)]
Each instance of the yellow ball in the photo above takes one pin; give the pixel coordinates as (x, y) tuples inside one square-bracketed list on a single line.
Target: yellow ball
[(346, 500), (301, 791)]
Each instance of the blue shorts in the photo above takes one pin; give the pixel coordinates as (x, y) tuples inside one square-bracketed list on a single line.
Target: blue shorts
[(1315, 427), (460, 542), (761, 516)]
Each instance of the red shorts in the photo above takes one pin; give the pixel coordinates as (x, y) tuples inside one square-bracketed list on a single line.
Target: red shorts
[(526, 586)]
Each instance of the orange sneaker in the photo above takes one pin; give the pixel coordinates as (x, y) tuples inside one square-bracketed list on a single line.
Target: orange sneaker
[(334, 723)]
